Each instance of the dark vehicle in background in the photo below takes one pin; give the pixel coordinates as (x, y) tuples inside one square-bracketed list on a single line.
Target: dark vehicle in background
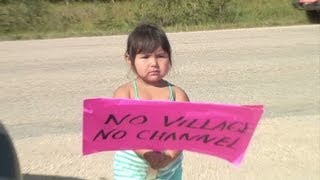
[(312, 8), (9, 164)]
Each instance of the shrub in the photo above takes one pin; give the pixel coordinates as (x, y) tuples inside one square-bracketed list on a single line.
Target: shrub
[(23, 15), (185, 12)]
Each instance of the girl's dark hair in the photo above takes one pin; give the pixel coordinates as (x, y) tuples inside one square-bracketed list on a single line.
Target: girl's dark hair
[(146, 38)]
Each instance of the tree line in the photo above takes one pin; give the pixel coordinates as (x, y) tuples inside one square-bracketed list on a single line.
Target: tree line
[(57, 1)]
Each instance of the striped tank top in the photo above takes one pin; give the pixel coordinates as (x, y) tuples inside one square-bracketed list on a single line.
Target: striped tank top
[(130, 166)]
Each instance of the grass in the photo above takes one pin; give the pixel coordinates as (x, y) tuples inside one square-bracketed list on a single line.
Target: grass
[(41, 19)]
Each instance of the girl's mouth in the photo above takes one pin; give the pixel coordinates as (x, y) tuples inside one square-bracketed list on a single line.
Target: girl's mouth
[(154, 72)]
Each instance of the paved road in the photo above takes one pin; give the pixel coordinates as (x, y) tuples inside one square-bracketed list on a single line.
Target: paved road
[(43, 83)]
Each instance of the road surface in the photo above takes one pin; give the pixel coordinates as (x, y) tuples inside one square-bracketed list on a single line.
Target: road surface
[(43, 83)]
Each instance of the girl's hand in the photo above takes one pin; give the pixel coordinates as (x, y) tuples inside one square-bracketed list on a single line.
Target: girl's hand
[(173, 154), (169, 157), (155, 159), (159, 160)]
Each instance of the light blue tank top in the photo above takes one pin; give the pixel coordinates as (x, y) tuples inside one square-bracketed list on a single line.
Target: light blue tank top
[(136, 91), (130, 166)]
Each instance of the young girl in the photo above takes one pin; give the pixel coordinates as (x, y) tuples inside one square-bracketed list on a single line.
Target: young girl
[(149, 55)]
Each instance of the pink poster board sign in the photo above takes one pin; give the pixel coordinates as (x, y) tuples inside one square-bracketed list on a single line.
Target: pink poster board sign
[(220, 130)]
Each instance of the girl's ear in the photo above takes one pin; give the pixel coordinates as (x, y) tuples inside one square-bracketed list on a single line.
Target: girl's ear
[(126, 58)]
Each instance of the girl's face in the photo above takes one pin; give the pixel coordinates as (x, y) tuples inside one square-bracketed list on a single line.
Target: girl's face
[(152, 67)]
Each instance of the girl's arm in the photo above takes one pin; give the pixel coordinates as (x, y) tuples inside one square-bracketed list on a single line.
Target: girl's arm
[(152, 158), (171, 155), (156, 160), (180, 95)]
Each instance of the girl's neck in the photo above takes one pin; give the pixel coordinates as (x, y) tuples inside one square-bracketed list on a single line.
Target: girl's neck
[(160, 83)]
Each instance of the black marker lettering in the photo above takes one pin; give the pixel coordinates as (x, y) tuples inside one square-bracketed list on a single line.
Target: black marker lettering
[(155, 135), (114, 119), (119, 134), (187, 137), (233, 143), (167, 123), (206, 138), (172, 136), (139, 135), (191, 123), (222, 141), (138, 120)]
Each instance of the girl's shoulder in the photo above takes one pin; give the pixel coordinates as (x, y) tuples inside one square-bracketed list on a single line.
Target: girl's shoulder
[(180, 94), (123, 91)]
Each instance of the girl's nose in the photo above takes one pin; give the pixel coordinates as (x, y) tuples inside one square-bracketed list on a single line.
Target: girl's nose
[(153, 61)]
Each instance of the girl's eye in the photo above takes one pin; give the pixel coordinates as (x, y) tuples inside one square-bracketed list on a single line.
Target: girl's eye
[(144, 56), (162, 56)]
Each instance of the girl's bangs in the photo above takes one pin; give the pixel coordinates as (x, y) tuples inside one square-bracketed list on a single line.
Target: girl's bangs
[(148, 46)]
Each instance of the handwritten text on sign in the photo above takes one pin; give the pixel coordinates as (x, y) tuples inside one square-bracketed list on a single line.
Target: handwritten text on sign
[(119, 124)]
